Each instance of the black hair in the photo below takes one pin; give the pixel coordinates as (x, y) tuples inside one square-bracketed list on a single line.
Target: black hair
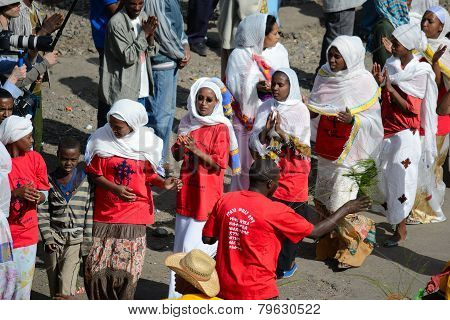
[(270, 22), (5, 94), (263, 170), (69, 143)]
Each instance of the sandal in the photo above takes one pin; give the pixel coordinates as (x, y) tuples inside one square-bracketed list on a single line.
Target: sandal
[(410, 221), (343, 266), (390, 243)]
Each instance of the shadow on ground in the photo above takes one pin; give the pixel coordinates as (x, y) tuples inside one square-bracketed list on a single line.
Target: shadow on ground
[(150, 290)]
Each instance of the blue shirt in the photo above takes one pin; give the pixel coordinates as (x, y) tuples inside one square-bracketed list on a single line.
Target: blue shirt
[(99, 20)]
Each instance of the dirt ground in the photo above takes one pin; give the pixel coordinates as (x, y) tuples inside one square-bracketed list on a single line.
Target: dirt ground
[(74, 84)]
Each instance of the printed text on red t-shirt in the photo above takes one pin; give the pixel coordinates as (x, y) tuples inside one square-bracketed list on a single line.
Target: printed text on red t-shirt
[(238, 226)]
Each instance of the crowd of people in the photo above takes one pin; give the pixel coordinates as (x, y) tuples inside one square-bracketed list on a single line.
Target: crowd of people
[(380, 138)]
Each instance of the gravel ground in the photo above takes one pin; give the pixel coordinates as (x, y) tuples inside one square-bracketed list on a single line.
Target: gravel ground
[(74, 84)]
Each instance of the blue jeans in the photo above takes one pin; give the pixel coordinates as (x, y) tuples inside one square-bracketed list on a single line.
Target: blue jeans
[(161, 106)]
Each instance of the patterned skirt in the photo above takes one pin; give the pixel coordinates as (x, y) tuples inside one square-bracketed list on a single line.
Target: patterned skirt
[(115, 261)]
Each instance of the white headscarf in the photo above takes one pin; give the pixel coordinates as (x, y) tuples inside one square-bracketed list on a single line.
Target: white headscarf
[(434, 44), (15, 128), (354, 89), (5, 193), (411, 37), (141, 144), (295, 118), (242, 72), (409, 81), (193, 121), (418, 8)]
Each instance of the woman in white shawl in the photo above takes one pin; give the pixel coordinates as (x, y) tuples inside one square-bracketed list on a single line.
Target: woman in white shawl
[(282, 132), (418, 7), (345, 95), (122, 157), (206, 145), (430, 196), (408, 106), (246, 81), (8, 270)]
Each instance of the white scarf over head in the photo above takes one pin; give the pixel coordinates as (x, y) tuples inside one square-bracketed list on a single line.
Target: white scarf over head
[(409, 80), (411, 37), (242, 72), (295, 118), (193, 120), (5, 193), (15, 128), (418, 8), (434, 44), (140, 144), (354, 89)]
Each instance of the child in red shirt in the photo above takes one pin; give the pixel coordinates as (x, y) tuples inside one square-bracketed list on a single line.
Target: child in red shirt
[(250, 229), (29, 184), (122, 157), (282, 132), (205, 141)]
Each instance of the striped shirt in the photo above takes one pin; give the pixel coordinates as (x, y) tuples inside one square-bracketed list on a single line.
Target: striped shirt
[(62, 222)]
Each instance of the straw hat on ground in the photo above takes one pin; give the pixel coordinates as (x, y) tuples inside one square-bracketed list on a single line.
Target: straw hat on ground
[(197, 268)]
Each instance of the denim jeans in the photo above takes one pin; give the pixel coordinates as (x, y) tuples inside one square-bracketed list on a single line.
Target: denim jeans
[(161, 107)]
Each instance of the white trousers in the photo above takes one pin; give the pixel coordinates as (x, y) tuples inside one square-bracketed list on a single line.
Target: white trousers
[(188, 236)]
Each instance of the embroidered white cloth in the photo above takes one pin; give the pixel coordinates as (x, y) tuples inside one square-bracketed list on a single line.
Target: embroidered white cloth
[(295, 118), (354, 89), (193, 121)]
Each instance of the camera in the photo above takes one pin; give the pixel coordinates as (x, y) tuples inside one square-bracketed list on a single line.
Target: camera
[(24, 104), (8, 39)]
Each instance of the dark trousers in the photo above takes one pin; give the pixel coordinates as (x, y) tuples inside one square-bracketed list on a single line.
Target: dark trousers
[(289, 249), (199, 12), (102, 107), (336, 24)]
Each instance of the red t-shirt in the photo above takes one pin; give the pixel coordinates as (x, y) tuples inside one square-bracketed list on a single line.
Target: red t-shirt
[(135, 174), (23, 221), (293, 183), (394, 118), (332, 135), (250, 229), (202, 187)]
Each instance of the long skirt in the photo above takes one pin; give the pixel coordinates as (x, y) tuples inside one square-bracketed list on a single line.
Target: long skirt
[(242, 181), (8, 270), (353, 238), (398, 174), (25, 259), (431, 189), (115, 261), (188, 236)]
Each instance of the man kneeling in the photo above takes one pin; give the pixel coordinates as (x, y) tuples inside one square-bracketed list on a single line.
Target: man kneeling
[(250, 229)]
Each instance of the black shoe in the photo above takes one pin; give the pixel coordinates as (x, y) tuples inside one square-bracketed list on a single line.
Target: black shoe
[(213, 43), (199, 48)]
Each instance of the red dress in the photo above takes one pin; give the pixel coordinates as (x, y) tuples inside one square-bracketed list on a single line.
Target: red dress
[(202, 186), (23, 222), (331, 137), (395, 119), (293, 182), (443, 121), (250, 229), (135, 174)]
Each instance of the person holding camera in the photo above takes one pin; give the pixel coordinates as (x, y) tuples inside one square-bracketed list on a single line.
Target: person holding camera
[(10, 9)]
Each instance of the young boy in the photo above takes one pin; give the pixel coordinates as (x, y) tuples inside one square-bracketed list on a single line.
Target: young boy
[(6, 104), (65, 220)]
